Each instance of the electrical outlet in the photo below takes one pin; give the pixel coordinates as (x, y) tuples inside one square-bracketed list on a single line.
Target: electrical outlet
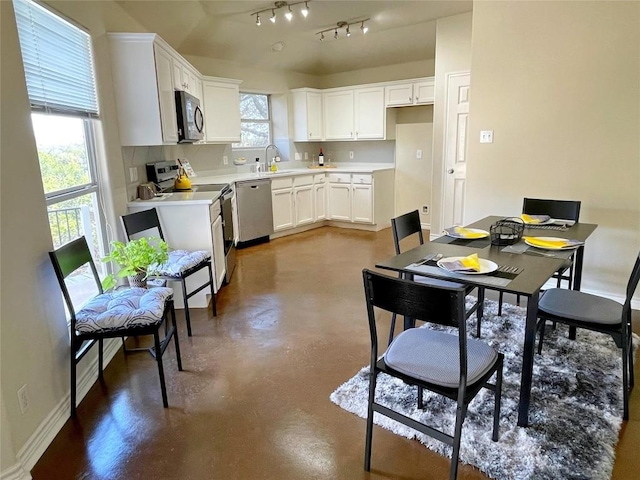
[(133, 174), (351, 154), (23, 398), (225, 160), (298, 156), (306, 155), (425, 209), (486, 136), (418, 154)]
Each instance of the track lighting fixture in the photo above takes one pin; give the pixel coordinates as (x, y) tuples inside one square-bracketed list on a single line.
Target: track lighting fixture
[(304, 10), (346, 26)]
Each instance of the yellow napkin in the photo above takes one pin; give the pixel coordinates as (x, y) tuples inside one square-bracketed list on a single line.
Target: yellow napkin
[(466, 233), (534, 218), (471, 261), (547, 243)]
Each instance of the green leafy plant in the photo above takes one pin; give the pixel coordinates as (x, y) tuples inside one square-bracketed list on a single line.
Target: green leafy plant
[(134, 257)]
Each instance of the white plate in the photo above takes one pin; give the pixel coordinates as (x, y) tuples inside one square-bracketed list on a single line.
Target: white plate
[(551, 239), (471, 230), (486, 266), (548, 222)]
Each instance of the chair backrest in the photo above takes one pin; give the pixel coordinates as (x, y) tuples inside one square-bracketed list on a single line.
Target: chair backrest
[(439, 305), (66, 260), (405, 226), (140, 222), (560, 209), (632, 285)]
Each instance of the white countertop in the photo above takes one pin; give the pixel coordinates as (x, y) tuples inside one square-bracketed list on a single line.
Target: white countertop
[(178, 198), (206, 178), (209, 177)]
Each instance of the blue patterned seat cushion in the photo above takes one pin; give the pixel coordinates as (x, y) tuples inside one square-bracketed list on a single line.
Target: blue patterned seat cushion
[(179, 262), (120, 309)]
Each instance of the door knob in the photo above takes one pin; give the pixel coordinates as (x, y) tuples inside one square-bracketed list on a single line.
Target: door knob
[(450, 170)]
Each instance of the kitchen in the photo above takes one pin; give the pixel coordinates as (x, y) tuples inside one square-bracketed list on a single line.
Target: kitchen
[(603, 132)]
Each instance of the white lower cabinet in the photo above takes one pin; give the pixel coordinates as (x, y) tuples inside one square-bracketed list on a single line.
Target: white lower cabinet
[(303, 204), (351, 197), (319, 198), (219, 262), (282, 203)]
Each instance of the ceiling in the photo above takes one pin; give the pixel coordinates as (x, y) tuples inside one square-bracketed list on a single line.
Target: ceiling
[(399, 31)]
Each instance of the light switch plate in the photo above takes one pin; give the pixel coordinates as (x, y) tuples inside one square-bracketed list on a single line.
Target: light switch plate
[(486, 136), (298, 156), (225, 160), (418, 154), (133, 174), (351, 154)]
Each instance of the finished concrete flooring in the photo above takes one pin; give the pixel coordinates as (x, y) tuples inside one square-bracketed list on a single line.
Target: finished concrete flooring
[(253, 399)]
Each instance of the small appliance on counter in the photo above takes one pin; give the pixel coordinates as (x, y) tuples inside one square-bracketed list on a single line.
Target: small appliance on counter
[(146, 191), (162, 174)]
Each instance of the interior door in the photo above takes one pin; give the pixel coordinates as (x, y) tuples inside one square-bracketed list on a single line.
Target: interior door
[(455, 148)]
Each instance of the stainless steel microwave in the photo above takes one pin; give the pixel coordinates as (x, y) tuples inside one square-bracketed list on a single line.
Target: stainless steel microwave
[(190, 118)]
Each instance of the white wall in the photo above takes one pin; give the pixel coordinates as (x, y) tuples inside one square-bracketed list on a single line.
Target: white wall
[(559, 83)]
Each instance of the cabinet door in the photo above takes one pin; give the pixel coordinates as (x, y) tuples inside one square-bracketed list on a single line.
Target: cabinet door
[(221, 112), (399, 95), (370, 113), (362, 203), (338, 115), (218, 252), (282, 205), (179, 82), (168, 120), (234, 215), (340, 201), (319, 202), (314, 116), (303, 202), (425, 92)]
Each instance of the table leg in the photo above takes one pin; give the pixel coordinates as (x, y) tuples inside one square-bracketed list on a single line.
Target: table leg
[(527, 359)]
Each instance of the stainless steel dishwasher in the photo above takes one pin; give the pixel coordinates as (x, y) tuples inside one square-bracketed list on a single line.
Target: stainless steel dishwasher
[(255, 215)]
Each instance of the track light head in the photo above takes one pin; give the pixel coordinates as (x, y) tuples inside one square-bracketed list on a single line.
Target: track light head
[(321, 36), (305, 10), (335, 34), (289, 14), (258, 21), (273, 16), (348, 32), (364, 29)]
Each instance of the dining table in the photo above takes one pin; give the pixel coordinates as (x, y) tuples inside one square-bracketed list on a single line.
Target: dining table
[(520, 269)]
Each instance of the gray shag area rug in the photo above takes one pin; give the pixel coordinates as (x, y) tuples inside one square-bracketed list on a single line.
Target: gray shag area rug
[(574, 417)]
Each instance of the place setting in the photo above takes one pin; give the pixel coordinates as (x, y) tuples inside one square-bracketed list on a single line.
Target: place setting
[(545, 222), (466, 237)]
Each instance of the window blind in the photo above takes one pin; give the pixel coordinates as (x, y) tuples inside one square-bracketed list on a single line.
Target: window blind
[(58, 62)]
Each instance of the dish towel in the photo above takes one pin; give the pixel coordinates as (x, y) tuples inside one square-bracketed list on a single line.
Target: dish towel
[(463, 232), (535, 218), (539, 242), (465, 264)]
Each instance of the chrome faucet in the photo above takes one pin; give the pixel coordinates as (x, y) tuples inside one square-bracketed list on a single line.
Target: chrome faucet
[(266, 160)]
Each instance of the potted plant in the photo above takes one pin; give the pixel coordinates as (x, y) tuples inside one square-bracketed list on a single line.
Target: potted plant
[(136, 260)]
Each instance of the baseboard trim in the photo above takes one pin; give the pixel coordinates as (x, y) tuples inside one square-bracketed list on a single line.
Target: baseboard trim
[(16, 472), (33, 449)]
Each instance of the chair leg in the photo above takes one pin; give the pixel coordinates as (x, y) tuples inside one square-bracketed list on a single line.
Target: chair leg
[(518, 299), (631, 374), (369, 437), (541, 339), (124, 346), (73, 383), (498, 400), (392, 329), (186, 305), (500, 296), (480, 310), (175, 337), (625, 379), (460, 414), (420, 398), (100, 358), (163, 387), (214, 308)]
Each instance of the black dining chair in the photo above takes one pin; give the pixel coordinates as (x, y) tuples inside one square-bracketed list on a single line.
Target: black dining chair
[(406, 226), (599, 314), (447, 364), (129, 312), (181, 264), (557, 209)]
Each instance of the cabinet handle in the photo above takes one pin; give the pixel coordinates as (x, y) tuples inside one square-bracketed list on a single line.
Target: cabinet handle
[(410, 99)]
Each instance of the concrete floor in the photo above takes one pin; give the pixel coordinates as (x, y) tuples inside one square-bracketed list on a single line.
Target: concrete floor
[(253, 399)]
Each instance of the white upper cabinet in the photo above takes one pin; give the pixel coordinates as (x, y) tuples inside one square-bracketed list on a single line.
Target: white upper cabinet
[(338, 115), (221, 107), (142, 71), (187, 79), (307, 115), (410, 92), (369, 113)]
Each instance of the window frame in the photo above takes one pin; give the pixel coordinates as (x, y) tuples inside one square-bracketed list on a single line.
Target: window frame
[(269, 121)]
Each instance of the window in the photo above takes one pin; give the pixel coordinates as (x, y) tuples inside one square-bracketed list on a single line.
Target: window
[(255, 121), (58, 65)]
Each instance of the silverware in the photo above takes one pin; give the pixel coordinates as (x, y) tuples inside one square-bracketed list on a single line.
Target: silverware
[(432, 256), (541, 253)]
